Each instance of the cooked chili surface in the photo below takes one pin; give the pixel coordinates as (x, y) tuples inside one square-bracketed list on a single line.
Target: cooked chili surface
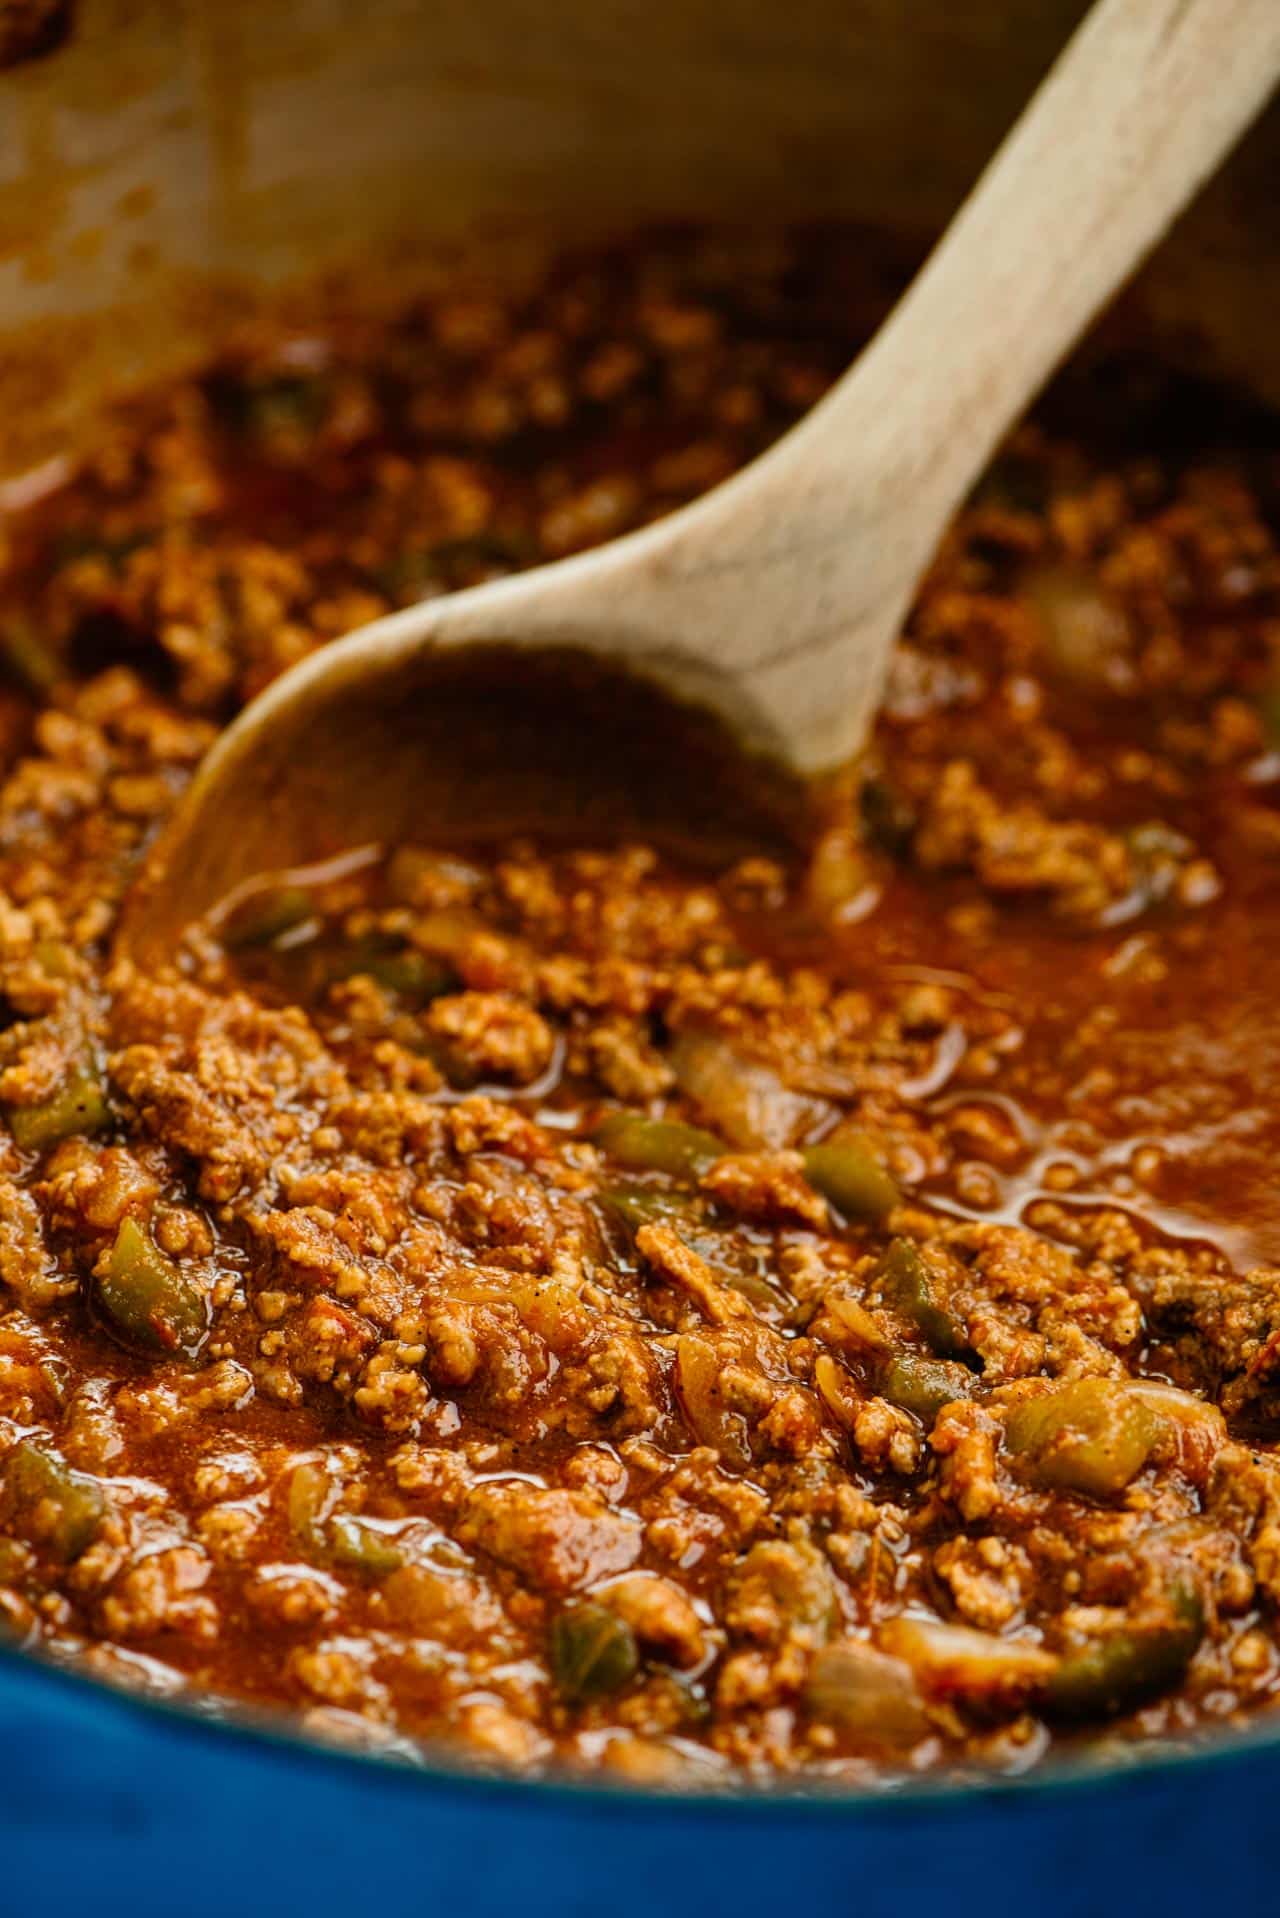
[(581, 1309)]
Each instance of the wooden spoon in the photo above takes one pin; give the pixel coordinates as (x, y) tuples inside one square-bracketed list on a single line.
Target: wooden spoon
[(772, 603)]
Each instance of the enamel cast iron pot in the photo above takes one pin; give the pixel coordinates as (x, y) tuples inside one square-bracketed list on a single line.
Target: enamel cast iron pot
[(161, 171)]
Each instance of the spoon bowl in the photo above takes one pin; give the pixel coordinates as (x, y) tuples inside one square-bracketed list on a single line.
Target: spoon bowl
[(557, 743)]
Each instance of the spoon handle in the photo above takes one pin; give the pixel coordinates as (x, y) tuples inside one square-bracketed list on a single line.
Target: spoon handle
[(1133, 117), (788, 584)]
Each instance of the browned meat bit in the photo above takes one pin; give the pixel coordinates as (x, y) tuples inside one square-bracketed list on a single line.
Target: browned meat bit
[(1084, 870), (770, 1186), (987, 1578), (486, 1035), (680, 1266), (162, 1593), (626, 1063), (557, 1541), (1234, 1321), (27, 1268), (290, 1596), (1244, 1492)]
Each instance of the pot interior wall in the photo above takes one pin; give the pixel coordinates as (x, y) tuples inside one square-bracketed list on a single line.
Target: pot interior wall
[(165, 167)]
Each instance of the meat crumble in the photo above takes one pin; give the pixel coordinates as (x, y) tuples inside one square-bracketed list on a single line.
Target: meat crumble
[(575, 1308)]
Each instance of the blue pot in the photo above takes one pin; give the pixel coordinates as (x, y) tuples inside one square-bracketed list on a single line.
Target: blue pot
[(360, 123), (112, 1805)]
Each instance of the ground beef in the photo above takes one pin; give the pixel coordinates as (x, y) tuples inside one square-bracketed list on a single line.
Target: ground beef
[(583, 1310)]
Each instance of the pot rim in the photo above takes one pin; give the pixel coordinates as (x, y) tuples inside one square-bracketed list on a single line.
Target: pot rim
[(213, 1720)]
